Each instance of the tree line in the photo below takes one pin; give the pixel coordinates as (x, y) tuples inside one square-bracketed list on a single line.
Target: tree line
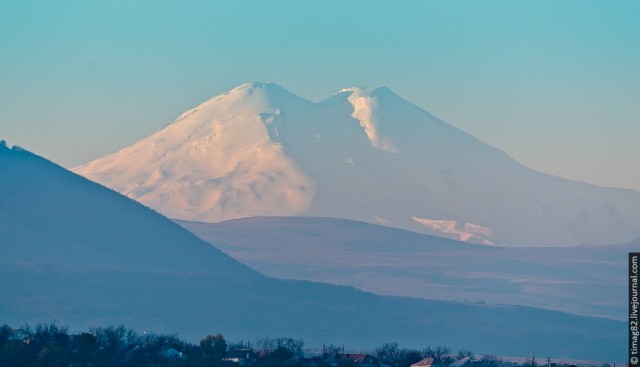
[(54, 346), (392, 355)]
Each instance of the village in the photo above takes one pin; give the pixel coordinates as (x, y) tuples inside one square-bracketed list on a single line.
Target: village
[(53, 345)]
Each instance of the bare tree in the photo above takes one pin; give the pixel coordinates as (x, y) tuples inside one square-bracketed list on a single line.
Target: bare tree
[(440, 354), (489, 360), (331, 349), (463, 353), (388, 352)]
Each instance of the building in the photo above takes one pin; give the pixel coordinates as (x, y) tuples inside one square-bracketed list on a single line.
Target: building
[(427, 362), (243, 357), (364, 360)]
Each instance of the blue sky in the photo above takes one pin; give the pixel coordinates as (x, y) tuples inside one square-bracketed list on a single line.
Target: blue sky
[(556, 84)]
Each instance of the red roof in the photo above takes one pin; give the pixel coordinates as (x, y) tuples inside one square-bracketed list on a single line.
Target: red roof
[(423, 363)]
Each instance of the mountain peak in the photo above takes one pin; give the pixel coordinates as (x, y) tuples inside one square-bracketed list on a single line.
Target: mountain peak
[(257, 96), (367, 91), (15, 148), (256, 84), (262, 87), (364, 154), (216, 161), (252, 98)]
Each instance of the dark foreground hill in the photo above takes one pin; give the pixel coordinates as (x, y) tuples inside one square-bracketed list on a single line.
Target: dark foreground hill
[(80, 254)]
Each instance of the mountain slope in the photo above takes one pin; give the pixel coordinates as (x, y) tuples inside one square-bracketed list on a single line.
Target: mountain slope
[(583, 280), (362, 154), (214, 161), (75, 252), (48, 213)]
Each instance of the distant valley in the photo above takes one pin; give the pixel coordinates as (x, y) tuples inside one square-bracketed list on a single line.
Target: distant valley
[(587, 280)]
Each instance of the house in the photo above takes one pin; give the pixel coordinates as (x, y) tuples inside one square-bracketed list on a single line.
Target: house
[(427, 362), (171, 353), (363, 360), (243, 357)]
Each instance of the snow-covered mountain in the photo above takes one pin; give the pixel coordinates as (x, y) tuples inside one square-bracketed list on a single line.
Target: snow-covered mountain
[(362, 154), (80, 254)]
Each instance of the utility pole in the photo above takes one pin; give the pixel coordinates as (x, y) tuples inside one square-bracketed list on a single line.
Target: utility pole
[(548, 361)]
